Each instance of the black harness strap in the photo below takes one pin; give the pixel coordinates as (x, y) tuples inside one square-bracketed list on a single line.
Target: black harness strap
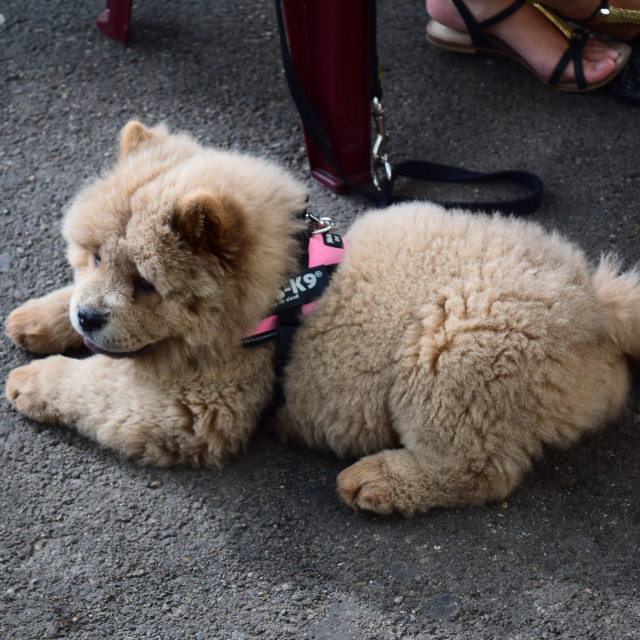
[(287, 323)]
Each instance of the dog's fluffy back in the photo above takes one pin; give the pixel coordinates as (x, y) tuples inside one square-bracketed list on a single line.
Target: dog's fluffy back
[(474, 338)]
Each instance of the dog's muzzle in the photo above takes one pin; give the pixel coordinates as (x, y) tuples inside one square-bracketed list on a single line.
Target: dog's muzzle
[(91, 320)]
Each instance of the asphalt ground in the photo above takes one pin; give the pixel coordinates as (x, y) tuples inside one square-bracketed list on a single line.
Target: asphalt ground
[(92, 546)]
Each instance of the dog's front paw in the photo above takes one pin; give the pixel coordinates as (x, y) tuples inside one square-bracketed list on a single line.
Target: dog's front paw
[(366, 486), (24, 328), (29, 329), (42, 325), (27, 391)]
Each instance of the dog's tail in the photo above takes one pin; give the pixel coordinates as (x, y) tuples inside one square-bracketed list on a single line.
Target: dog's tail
[(619, 294)]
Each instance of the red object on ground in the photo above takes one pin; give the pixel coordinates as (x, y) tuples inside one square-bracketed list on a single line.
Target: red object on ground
[(329, 41), (114, 20)]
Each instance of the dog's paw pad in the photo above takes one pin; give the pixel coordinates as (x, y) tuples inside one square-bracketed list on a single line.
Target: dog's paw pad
[(365, 486), (28, 330), (24, 393)]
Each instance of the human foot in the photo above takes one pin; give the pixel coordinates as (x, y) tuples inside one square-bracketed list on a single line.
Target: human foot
[(529, 37)]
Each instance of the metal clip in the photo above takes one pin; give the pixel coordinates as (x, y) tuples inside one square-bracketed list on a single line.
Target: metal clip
[(322, 224), (379, 153)]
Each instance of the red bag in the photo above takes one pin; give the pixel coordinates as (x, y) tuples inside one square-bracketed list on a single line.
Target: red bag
[(330, 47)]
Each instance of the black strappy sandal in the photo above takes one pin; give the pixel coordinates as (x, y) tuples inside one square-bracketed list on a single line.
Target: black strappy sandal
[(475, 40)]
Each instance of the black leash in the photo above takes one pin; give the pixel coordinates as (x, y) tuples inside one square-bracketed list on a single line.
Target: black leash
[(415, 169)]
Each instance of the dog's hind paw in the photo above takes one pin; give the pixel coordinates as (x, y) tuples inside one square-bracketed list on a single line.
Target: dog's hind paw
[(367, 486)]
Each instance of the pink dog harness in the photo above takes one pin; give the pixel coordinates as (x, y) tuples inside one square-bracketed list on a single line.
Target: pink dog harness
[(325, 250), (298, 297)]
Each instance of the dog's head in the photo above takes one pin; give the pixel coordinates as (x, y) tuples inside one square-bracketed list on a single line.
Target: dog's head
[(156, 257)]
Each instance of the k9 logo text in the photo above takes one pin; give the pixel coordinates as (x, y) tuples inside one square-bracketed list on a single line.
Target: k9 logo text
[(303, 288)]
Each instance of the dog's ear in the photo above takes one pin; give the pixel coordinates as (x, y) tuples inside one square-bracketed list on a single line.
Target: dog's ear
[(134, 135), (211, 224)]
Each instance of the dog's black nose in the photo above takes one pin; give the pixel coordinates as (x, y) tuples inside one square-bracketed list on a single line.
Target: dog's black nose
[(91, 320)]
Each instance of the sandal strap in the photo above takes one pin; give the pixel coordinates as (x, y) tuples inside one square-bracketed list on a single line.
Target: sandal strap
[(612, 15), (475, 28), (502, 15), (574, 51), (478, 38), (559, 23), (572, 54), (615, 15), (603, 5)]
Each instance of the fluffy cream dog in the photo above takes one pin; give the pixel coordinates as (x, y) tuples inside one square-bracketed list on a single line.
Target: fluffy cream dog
[(448, 349)]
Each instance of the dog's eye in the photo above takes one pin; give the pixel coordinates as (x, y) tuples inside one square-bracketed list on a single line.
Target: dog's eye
[(96, 260), (143, 286)]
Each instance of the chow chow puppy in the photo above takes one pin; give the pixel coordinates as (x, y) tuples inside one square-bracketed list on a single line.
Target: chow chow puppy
[(447, 350)]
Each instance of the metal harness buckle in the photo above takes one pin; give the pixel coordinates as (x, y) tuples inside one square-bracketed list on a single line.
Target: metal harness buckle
[(321, 225)]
